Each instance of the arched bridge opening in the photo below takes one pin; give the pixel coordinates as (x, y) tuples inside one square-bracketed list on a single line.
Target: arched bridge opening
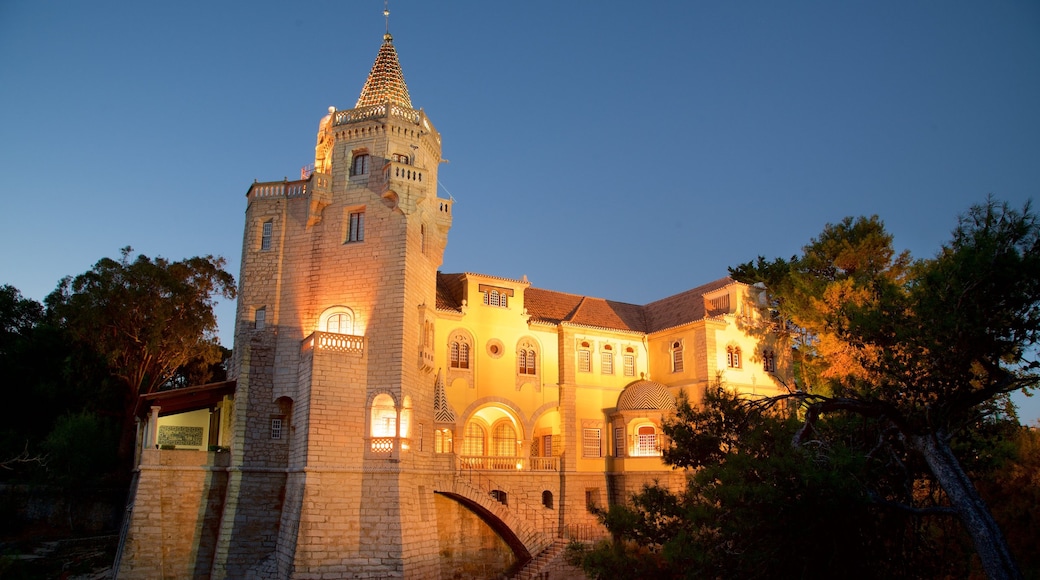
[(521, 550)]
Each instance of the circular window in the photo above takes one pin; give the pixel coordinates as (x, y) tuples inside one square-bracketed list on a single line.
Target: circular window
[(495, 348)]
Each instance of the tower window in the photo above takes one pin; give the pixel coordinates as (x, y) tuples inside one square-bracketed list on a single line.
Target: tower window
[(356, 233), (400, 158), (265, 235), (340, 323), (677, 356), (360, 164), (260, 318), (276, 427)]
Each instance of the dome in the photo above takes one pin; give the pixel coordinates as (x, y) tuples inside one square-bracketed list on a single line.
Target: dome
[(646, 395)]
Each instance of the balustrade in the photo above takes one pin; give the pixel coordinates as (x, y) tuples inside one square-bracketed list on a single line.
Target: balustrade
[(333, 342), (506, 463), (278, 189)]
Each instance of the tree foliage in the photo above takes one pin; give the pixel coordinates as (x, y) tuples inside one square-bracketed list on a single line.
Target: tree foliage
[(926, 348), (903, 371), (146, 318), (758, 507)]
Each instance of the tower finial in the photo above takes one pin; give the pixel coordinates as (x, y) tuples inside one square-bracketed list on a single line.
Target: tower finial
[(386, 14)]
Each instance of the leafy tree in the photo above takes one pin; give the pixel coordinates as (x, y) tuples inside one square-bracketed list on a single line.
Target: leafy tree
[(81, 449), (925, 349), (146, 318), (758, 507)]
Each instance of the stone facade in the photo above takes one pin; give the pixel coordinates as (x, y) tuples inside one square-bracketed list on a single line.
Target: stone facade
[(392, 421)]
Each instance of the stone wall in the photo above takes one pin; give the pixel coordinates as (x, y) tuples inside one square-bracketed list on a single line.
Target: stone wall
[(176, 517)]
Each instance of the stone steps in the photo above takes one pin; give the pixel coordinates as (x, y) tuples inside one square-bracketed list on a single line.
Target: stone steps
[(536, 569)]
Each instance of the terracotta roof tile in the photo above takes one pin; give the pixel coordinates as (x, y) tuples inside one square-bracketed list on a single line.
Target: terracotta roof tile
[(681, 308), (554, 307), (449, 291)]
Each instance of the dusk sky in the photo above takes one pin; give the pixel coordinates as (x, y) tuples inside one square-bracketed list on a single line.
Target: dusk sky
[(628, 151)]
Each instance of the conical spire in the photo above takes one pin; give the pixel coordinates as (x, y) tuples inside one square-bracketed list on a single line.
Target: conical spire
[(386, 81)]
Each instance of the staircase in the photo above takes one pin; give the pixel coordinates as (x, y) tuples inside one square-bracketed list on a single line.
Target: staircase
[(550, 560)]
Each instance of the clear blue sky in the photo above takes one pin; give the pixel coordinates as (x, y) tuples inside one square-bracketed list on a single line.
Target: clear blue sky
[(649, 145)]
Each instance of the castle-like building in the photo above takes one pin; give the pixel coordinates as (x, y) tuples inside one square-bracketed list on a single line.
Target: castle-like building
[(387, 420)]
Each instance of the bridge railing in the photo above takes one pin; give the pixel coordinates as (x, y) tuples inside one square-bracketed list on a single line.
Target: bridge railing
[(506, 463)]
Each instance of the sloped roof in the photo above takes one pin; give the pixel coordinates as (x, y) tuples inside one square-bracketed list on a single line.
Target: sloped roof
[(553, 307), (386, 80), (185, 399), (556, 307), (682, 307), (449, 291)]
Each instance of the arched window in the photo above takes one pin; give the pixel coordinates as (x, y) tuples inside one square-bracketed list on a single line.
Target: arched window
[(526, 361), (384, 416), (677, 356), (459, 355), (547, 499), (733, 357), (405, 429), (459, 349), (340, 323), (503, 440), (769, 361), (336, 320), (474, 443), (500, 496), (646, 441)]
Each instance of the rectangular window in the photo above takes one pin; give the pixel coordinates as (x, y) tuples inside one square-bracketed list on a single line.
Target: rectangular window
[(584, 361), (619, 442), (606, 360), (547, 446), (442, 441), (630, 365), (356, 233), (422, 241), (276, 428), (590, 443), (265, 235), (260, 318), (360, 165)]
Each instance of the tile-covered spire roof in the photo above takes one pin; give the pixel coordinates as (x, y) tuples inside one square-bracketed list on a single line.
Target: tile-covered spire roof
[(386, 81)]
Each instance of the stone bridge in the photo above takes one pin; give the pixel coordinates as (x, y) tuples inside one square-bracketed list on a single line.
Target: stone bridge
[(521, 536)]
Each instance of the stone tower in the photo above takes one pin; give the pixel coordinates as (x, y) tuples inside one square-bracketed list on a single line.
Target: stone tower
[(332, 465)]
